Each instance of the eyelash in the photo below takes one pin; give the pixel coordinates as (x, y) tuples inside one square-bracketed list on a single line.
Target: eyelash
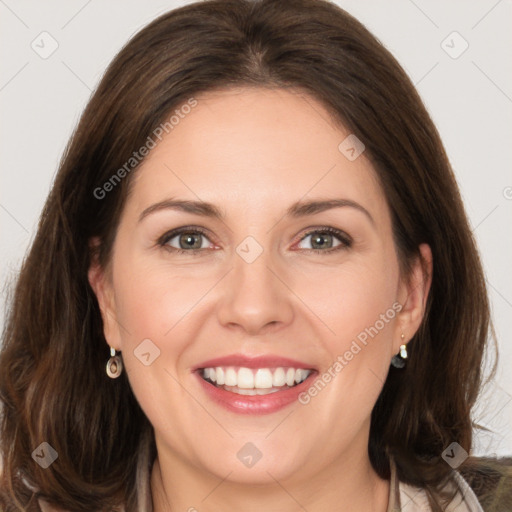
[(346, 241)]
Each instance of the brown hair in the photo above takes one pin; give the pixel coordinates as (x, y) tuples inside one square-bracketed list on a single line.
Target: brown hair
[(53, 385)]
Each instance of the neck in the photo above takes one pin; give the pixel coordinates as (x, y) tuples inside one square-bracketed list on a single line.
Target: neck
[(351, 482)]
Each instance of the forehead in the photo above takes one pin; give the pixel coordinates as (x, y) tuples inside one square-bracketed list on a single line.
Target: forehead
[(253, 148)]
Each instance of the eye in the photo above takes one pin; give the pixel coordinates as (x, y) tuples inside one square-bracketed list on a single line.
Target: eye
[(194, 240), (326, 240), (185, 240)]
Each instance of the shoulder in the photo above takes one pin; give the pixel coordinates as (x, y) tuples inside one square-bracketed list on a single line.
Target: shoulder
[(491, 481), (461, 497), (481, 485)]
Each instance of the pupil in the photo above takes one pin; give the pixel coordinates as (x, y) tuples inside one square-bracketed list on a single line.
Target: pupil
[(318, 240), (188, 241)]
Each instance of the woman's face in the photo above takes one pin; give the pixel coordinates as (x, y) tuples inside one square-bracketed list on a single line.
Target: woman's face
[(268, 287)]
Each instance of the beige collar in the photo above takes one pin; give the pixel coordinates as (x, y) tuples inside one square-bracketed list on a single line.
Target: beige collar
[(407, 498), (402, 497)]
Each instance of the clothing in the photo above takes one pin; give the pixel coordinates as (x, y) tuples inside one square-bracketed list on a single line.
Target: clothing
[(407, 498)]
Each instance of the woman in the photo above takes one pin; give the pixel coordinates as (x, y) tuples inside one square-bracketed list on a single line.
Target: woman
[(253, 284)]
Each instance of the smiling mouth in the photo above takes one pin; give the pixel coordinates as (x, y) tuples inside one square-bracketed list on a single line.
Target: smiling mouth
[(254, 381)]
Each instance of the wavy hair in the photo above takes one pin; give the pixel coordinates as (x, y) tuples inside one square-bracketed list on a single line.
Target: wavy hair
[(53, 386)]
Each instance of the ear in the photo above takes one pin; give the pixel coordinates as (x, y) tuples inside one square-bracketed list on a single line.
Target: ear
[(413, 293), (100, 280)]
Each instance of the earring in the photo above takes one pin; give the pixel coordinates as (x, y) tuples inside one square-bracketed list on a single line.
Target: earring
[(114, 365), (398, 361)]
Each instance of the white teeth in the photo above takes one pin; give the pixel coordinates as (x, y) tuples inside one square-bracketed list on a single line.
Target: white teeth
[(210, 373), (245, 378), (231, 377), (241, 391), (279, 377), (262, 379), (220, 376), (265, 391), (300, 375)]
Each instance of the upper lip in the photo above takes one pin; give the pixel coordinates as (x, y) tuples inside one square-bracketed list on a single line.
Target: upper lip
[(264, 361)]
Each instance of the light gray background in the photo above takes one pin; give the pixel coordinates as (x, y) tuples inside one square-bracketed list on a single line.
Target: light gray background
[(469, 98)]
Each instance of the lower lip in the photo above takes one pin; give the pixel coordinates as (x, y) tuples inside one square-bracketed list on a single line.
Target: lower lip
[(255, 404)]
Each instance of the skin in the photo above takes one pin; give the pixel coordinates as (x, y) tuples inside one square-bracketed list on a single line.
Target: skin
[(253, 152)]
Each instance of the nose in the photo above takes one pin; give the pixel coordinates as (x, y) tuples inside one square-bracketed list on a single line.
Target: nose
[(255, 297)]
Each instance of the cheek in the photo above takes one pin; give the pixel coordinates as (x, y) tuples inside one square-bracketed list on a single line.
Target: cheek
[(153, 306), (351, 297), (151, 299), (357, 305)]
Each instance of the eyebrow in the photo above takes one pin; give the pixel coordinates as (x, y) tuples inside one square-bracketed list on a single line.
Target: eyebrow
[(196, 207), (296, 210), (304, 208)]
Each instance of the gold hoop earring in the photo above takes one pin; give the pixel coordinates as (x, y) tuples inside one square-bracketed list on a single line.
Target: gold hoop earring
[(114, 365), (398, 361)]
